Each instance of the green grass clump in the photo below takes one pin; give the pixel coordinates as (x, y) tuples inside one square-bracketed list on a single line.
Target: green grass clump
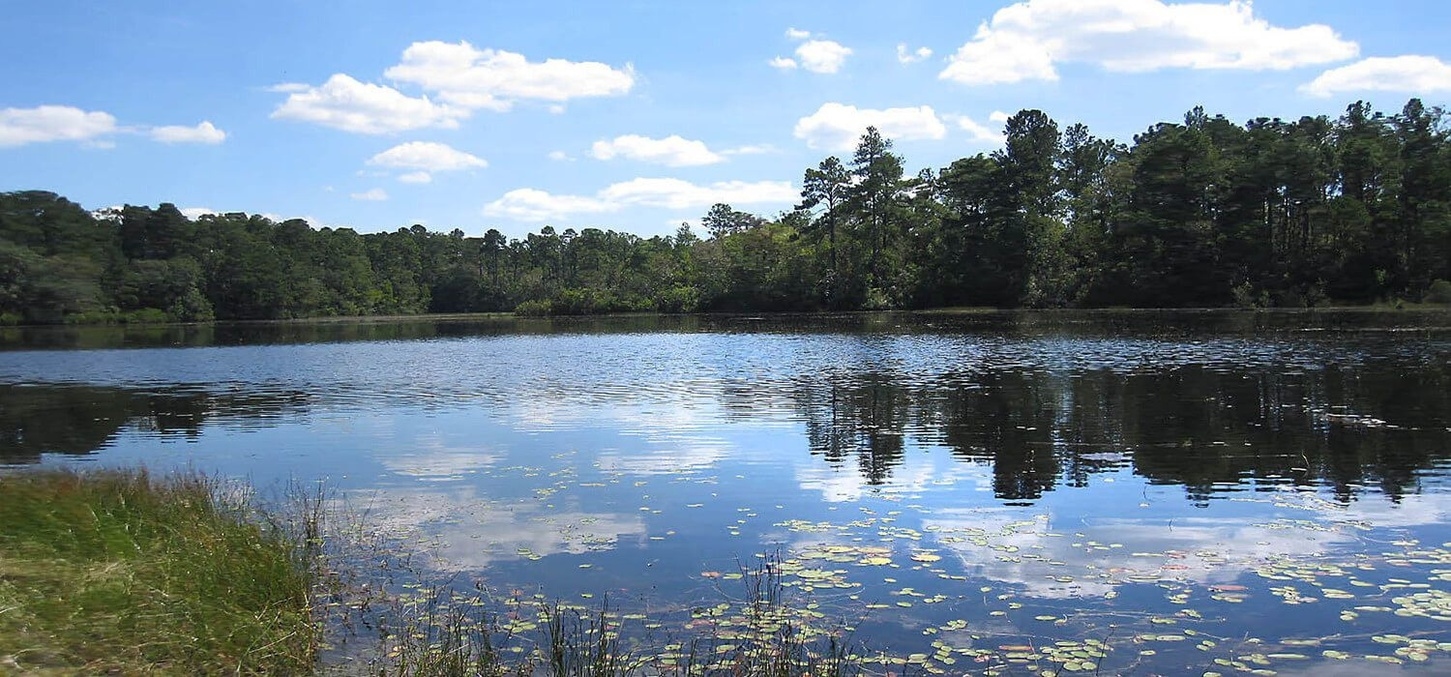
[(117, 571)]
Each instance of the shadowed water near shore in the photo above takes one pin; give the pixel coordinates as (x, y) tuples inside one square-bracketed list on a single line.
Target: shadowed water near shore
[(974, 481)]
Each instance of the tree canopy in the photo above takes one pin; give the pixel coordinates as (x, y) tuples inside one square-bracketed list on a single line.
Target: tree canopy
[(1201, 212)]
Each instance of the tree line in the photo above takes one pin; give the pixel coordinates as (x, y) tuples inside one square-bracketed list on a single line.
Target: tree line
[(1199, 213)]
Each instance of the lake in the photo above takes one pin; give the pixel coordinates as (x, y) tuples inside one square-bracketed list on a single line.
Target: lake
[(1175, 491)]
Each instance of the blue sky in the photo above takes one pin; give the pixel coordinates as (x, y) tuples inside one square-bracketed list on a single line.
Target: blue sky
[(631, 115)]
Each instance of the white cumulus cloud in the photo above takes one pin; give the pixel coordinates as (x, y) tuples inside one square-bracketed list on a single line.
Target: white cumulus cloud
[(364, 108), (532, 204), (1026, 40), (837, 126), (459, 78), (1410, 73), (371, 195), (205, 132), (673, 193), (978, 132), (816, 55), (906, 56), (998, 57), (21, 126), (750, 149), (822, 56), (671, 151), (465, 76), (424, 157), (784, 63)]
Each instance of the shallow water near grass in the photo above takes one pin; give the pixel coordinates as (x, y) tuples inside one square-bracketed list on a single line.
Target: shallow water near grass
[(1145, 492)]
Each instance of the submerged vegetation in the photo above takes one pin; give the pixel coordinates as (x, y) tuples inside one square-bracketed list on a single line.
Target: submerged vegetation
[(1203, 212)]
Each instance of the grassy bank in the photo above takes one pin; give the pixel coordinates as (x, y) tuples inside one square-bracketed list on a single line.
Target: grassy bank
[(126, 572), (119, 571)]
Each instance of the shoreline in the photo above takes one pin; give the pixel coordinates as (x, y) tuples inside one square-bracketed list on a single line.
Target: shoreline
[(1372, 309)]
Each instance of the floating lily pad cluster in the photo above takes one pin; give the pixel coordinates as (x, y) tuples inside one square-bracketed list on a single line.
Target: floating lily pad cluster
[(1004, 596)]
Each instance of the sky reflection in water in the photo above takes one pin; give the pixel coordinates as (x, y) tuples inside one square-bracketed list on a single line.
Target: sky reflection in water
[(1039, 482)]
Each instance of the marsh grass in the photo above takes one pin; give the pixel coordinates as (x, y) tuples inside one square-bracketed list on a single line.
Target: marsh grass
[(758, 632), (585, 643), (771, 634), (126, 572), (120, 571), (439, 631)]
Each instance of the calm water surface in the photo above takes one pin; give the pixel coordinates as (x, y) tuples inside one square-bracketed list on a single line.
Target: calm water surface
[(1199, 491)]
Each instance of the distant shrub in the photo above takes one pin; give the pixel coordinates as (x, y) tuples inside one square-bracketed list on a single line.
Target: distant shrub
[(679, 299), (1287, 298), (629, 303), (87, 317), (146, 316), (534, 308), (1316, 296), (575, 302), (877, 299), (585, 302), (1439, 292), (193, 306), (1245, 296)]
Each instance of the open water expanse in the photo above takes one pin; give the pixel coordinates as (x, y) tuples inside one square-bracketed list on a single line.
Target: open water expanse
[(1112, 492)]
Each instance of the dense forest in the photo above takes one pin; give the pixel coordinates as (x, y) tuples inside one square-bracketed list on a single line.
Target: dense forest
[(1200, 213)]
